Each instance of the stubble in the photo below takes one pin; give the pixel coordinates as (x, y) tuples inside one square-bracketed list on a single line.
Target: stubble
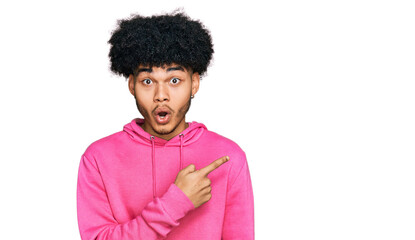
[(180, 116)]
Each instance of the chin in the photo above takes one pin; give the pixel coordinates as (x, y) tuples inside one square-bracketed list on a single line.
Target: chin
[(164, 129)]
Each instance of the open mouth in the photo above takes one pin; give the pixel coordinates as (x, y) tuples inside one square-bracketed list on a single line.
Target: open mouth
[(162, 115)]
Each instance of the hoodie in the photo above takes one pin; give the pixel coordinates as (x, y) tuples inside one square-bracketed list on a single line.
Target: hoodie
[(126, 189)]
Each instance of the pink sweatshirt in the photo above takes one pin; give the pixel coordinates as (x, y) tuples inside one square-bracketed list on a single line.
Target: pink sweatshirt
[(126, 187)]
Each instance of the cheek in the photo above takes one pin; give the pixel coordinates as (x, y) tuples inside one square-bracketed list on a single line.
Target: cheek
[(144, 95), (143, 99), (184, 90), (180, 96)]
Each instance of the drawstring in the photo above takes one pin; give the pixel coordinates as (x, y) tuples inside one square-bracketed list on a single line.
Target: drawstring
[(153, 167), (153, 160), (181, 150)]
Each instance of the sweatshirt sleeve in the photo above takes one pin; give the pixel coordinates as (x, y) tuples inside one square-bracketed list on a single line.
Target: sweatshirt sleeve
[(239, 210), (96, 221)]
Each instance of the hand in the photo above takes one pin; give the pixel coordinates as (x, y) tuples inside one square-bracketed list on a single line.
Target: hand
[(195, 183)]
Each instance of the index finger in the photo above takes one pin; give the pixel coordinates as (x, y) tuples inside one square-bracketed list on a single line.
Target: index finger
[(215, 164)]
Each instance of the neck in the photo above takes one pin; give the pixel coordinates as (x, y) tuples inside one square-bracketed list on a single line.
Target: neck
[(164, 132)]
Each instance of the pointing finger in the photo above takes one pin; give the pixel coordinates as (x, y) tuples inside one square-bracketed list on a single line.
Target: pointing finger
[(215, 164)]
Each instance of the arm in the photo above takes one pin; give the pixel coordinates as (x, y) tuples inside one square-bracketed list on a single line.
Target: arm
[(96, 221), (239, 211)]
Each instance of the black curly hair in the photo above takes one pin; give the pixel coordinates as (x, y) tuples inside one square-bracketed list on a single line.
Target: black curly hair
[(160, 40)]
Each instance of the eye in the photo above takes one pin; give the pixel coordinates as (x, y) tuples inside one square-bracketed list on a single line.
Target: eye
[(147, 81), (175, 80)]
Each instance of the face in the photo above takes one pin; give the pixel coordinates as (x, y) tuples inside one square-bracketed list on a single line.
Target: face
[(163, 97)]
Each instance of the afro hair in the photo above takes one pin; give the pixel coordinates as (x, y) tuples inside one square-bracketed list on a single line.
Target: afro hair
[(160, 40)]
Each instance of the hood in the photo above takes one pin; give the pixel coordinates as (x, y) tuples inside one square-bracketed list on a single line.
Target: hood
[(188, 136)]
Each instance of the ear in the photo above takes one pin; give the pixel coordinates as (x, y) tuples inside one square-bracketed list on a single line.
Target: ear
[(195, 83), (131, 84)]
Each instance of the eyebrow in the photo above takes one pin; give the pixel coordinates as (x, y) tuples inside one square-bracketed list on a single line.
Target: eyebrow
[(149, 70), (178, 68)]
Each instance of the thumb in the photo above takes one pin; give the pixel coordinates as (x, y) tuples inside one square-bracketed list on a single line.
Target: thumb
[(189, 169)]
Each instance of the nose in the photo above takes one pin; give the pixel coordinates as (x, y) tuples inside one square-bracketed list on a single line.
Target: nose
[(161, 94)]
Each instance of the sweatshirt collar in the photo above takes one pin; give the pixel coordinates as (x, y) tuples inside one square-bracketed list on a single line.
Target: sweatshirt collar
[(191, 134)]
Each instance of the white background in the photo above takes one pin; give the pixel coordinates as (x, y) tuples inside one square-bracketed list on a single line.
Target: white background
[(319, 94)]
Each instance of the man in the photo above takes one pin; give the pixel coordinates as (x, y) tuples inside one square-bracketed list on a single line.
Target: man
[(162, 177)]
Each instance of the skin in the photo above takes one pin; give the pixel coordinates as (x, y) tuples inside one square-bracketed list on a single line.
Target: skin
[(155, 87), (171, 86), (195, 183)]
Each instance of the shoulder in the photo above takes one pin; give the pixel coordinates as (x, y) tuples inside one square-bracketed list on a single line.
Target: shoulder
[(104, 144), (222, 141), (229, 147)]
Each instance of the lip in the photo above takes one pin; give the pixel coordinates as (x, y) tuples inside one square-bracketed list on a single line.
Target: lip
[(162, 109), (164, 120)]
